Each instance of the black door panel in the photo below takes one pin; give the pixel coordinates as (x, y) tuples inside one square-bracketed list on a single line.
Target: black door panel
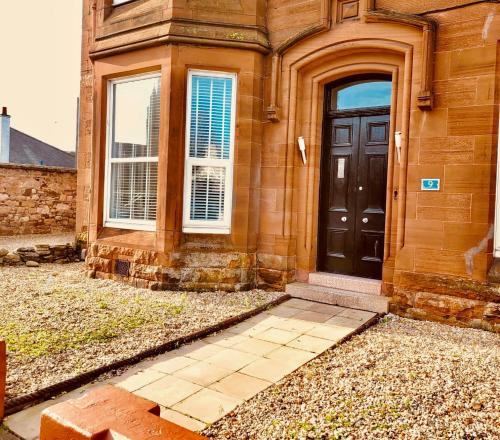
[(353, 194)]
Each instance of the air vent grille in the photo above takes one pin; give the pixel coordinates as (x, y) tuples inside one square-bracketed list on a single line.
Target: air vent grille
[(122, 268)]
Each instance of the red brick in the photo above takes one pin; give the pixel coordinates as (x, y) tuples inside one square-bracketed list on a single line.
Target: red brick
[(109, 412)]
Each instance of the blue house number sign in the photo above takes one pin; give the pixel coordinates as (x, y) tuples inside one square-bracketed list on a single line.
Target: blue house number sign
[(431, 184)]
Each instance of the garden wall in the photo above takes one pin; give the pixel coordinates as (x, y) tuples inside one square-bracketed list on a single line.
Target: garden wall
[(36, 199)]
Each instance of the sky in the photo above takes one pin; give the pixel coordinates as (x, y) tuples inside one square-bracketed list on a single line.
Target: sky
[(40, 46)]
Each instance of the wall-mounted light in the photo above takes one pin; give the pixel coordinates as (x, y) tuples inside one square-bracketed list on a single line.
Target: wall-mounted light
[(302, 148), (398, 140)]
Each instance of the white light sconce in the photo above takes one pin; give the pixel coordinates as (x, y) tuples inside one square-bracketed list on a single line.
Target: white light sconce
[(398, 140), (302, 148)]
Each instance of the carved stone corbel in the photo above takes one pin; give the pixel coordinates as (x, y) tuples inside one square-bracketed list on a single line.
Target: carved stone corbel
[(429, 27), (369, 14)]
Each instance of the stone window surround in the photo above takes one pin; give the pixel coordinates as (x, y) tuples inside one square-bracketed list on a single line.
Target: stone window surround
[(208, 227), (107, 221)]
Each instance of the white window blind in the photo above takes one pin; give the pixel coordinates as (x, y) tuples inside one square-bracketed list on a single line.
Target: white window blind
[(132, 153), (209, 152)]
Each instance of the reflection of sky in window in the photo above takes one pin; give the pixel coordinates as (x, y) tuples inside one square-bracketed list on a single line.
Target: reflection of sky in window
[(131, 103), (367, 94)]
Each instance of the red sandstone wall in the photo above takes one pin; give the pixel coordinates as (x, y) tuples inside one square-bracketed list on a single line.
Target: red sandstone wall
[(419, 6), (36, 200), (85, 135), (288, 18)]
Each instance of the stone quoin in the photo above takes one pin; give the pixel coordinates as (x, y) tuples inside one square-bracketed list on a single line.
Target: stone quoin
[(203, 184)]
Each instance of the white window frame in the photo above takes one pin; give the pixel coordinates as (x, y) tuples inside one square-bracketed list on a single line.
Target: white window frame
[(138, 225), (209, 226)]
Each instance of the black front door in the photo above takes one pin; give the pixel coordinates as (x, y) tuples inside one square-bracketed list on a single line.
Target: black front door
[(353, 192)]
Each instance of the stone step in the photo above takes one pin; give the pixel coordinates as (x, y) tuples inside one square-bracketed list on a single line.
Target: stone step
[(346, 282), (339, 297)]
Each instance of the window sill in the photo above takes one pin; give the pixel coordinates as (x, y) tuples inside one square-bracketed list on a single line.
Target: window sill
[(131, 226), (116, 5), (205, 230)]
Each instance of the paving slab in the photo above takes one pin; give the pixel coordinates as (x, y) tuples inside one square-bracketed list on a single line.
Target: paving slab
[(309, 315), (138, 380), (200, 383), (172, 365), (268, 369), (203, 373), (232, 359), (168, 391), (240, 386), (310, 343), (329, 332), (291, 356), (207, 405), (181, 419), (283, 311), (277, 336)]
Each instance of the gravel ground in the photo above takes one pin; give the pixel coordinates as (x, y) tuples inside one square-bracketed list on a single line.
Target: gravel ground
[(401, 379), (58, 323), (14, 242)]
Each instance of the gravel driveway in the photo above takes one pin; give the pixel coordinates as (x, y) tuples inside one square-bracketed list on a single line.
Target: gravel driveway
[(58, 323), (401, 379)]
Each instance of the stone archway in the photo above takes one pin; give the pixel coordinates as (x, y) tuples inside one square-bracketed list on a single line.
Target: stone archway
[(305, 82)]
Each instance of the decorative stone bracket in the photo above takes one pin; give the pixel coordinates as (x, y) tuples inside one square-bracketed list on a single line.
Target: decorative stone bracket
[(425, 97), (347, 10)]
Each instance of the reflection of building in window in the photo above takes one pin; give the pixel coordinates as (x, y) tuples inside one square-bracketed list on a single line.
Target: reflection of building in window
[(133, 161)]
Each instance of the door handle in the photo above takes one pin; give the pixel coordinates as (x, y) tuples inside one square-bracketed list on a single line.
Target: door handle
[(343, 219), (365, 220)]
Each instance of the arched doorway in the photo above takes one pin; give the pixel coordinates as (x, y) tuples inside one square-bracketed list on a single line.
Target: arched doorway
[(353, 182)]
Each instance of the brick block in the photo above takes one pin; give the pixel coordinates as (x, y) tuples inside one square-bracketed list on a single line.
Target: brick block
[(109, 412), (3, 376)]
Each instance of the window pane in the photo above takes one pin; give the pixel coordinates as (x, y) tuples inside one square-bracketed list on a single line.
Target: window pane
[(136, 118), (207, 193), (210, 128), (363, 95), (133, 190)]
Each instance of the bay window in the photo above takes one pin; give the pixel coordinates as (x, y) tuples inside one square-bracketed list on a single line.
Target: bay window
[(132, 153), (210, 131)]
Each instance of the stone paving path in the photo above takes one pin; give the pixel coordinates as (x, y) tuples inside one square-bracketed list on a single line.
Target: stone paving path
[(200, 383)]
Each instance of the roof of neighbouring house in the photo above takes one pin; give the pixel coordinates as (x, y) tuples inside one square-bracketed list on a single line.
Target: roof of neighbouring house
[(25, 149)]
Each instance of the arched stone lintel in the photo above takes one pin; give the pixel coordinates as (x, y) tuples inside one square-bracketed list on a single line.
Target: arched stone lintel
[(370, 15), (365, 59)]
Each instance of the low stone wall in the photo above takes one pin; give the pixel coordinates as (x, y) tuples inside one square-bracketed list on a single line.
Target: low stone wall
[(36, 199), (195, 271), (449, 300), (40, 253)]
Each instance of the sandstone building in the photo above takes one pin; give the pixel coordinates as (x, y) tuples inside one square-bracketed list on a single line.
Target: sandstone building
[(323, 144)]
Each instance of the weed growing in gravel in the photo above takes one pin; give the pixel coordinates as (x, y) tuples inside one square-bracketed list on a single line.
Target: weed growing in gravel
[(57, 322), (87, 320)]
